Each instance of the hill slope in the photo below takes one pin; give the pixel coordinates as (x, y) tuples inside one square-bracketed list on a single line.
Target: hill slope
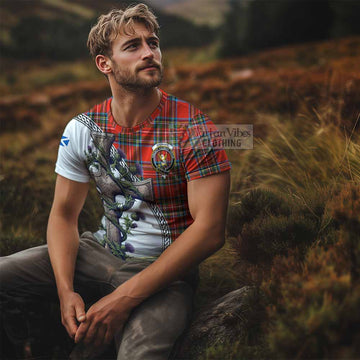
[(206, 12)]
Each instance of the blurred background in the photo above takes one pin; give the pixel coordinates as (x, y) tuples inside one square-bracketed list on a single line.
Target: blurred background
[(290, 68)]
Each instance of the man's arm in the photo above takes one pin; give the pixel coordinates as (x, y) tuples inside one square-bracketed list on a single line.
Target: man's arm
[(63, 243), (208, 200)]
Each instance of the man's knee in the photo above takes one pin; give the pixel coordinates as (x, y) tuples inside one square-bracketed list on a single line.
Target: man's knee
[(26, 268), (157, 323)]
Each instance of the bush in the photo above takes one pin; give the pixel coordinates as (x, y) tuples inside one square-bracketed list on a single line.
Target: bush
[(257, 203), (314, 311), (346, 210), (267, 224), (263, 239)]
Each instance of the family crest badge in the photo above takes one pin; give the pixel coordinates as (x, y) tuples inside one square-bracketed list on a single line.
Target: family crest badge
[(163, 158)]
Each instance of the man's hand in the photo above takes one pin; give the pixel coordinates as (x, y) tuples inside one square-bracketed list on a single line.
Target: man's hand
[(72, 312), (104, 319)]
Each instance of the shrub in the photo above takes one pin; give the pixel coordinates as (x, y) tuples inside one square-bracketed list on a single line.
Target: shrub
[(346, 209), (267, 224), (314, 312), (264, 238), (254, 204)]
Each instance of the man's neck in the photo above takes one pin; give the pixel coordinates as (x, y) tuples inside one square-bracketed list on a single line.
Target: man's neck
[(130, 108)]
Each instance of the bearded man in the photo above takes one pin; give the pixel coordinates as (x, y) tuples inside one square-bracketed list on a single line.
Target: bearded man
[(165, 198)]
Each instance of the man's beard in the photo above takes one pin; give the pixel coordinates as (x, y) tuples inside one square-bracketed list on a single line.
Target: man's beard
[(132, 81)]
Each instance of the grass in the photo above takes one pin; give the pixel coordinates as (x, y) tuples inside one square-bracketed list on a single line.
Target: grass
[(312, 303), (301, 154)]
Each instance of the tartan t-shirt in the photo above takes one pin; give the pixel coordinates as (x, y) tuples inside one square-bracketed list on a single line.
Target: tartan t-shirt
[(141, 173)]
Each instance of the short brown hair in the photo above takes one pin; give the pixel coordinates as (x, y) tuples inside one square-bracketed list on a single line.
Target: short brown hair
[(108, 26)]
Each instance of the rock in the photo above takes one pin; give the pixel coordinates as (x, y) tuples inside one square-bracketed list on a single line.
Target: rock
[(227, 319)]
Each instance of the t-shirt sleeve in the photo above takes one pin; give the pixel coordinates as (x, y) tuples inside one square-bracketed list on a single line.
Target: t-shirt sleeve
[(202, 154), (72, 153)]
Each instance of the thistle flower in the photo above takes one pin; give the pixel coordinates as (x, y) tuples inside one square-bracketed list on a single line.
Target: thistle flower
[(121, 154), (129, 248), (139, 169), (140, 215)]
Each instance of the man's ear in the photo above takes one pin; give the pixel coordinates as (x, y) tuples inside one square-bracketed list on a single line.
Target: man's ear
[(103, 63)]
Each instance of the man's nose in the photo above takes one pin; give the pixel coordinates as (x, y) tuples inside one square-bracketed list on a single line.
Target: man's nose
[(147, 52)]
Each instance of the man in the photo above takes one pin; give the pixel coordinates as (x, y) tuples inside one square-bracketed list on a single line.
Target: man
[(164, 194)]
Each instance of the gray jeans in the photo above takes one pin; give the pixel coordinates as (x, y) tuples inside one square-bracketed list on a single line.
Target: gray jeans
[(152, 328)]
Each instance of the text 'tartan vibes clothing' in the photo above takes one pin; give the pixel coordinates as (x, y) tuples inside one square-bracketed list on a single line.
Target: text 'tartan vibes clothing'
[(141, 173)]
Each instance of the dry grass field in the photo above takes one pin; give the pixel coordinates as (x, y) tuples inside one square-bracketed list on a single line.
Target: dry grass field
[(294, 218)]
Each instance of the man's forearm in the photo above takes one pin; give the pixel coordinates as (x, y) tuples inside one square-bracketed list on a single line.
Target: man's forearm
[(63, 244), (62, 231), (195, 244)]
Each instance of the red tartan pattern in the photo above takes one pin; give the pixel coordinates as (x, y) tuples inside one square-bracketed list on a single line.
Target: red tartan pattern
[(177, 123)]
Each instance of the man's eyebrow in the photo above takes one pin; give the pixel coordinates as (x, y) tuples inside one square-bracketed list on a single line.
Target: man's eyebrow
[(138, 39), (153, 38)]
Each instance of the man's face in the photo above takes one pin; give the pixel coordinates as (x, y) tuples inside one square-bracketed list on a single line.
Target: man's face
[(136, 59)]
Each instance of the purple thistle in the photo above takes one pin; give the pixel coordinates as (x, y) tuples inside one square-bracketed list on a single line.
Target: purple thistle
[(140, 215), (129, 248), (133, 225), (139, 169), (121, 154), (89, 149)]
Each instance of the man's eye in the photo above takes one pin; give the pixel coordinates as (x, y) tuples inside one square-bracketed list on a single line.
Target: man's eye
[(153, 44), (131, 47)]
